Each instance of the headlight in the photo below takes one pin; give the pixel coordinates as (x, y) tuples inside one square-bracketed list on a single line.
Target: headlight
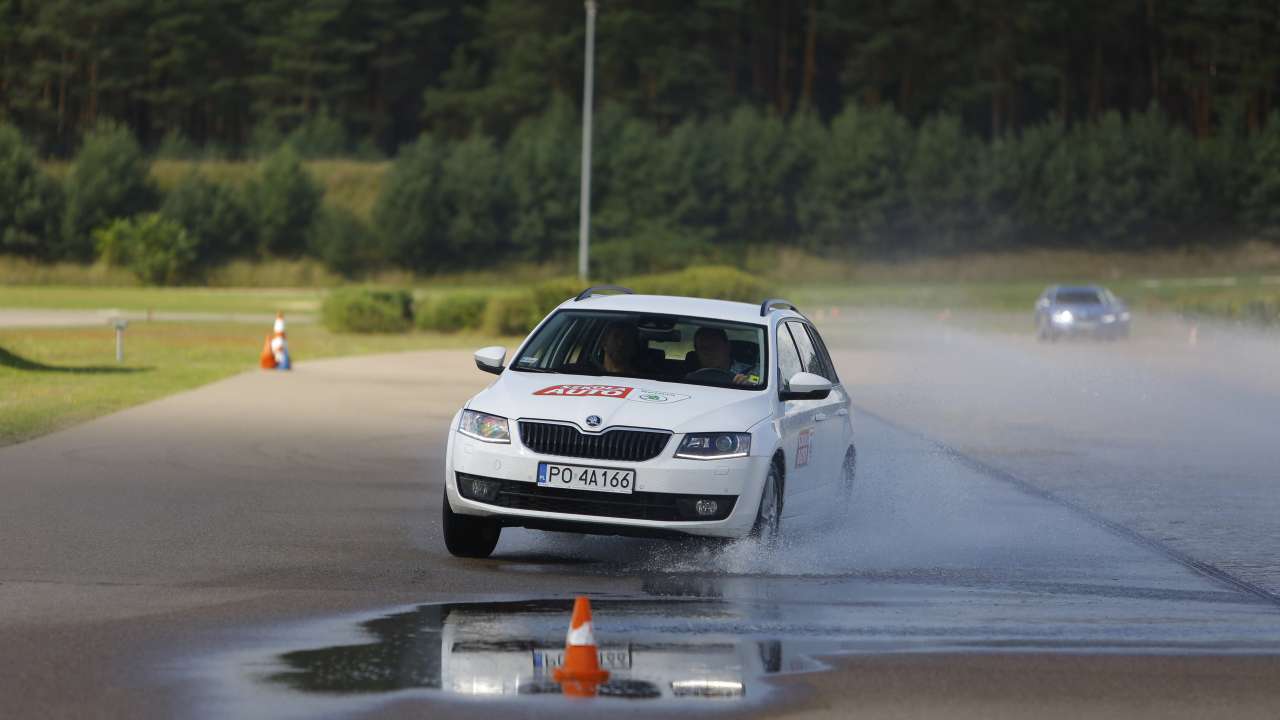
[(1108, 318), (1063, 317), (714, 446), (1125, 315), (483, 426)]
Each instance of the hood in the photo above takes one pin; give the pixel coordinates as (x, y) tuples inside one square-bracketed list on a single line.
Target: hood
[(622, 402)]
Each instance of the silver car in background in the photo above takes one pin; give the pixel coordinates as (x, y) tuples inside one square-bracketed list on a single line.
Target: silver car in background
[(1073, 310)]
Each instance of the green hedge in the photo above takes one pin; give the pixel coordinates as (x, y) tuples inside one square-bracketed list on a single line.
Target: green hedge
[(452, 312), (364, 310), (1263, 311), (515, 313), (715, 282), (510, 314)]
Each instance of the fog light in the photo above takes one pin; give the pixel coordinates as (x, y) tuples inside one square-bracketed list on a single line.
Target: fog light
[(706, 507), (482, 489)]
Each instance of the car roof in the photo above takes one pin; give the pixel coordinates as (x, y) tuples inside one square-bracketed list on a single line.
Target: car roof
[(1077, 288), (674, 305)]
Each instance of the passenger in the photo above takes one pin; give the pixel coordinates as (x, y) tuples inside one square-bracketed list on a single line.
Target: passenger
[(714, 351), (621, 346)]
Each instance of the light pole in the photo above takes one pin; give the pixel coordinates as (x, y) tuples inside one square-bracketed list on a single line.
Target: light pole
[(584, 203)]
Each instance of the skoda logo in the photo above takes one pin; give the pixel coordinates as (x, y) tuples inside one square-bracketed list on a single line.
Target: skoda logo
[(593, 421)]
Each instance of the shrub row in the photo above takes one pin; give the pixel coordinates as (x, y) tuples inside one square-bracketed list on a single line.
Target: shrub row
[(703, 192), (1255, 311), (369, 310)]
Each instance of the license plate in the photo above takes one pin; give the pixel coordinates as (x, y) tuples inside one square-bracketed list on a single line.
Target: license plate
[(611, 658), (586, 477)]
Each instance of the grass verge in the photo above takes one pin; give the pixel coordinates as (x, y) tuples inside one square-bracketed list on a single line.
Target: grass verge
[(55, 378)]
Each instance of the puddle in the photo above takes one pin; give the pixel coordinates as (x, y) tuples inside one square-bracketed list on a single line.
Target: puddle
[(653, 650), (696, 643)]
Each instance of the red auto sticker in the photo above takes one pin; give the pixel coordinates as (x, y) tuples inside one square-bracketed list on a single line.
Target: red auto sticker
[(804, 447), (611, 391)]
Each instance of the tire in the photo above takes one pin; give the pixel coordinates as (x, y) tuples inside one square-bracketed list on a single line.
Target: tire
[(849, 471), (1045, 333), (769, 515), (466, 536)]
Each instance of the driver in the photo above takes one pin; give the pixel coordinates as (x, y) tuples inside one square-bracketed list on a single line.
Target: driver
[(714, 351), (621, 343)]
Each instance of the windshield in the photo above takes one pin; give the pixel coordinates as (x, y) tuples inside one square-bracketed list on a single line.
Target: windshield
[(1079, 297), (669, 348)]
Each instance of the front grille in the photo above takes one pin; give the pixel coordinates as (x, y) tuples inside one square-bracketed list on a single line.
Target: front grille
[(568, 441), (635, 506)]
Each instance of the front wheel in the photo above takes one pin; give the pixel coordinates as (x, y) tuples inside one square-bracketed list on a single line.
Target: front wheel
[(466, 536), (849, 471), (769, 516)]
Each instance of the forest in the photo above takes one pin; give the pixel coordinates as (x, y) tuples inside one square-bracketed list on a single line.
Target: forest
[(885, 128)]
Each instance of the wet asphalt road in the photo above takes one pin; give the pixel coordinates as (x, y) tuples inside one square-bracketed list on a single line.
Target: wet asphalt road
[(250, 548)]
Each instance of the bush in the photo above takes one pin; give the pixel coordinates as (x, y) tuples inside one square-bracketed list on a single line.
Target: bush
[(157, 250), (264, 138), (408, 214), (320, 136), (30, 201), (452, 312), (476, 196), (940, 182), (214, 214), (541, 160), (855, 197), (342, 241), (716, 282), (109, 179), (284, 200), (364, 310), (510, 314), (176, 146), (653, 247), (1261, 203)]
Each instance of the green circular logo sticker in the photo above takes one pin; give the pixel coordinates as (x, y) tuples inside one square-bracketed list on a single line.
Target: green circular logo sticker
[(653, 397)]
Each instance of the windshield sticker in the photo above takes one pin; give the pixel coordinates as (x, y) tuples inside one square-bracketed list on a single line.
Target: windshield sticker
[(611, 391), (657, 396)]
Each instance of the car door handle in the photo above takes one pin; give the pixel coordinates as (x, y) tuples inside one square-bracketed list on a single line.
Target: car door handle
[(819, 417), (842, 412)]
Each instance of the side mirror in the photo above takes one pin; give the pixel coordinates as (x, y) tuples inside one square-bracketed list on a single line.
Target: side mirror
[(490, 359), (806, 386)]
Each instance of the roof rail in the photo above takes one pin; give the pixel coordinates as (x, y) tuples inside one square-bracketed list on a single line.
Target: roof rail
[(596, 290), (772, 303)]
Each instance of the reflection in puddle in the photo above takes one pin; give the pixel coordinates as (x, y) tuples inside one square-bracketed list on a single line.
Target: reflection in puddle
[(503, 649)]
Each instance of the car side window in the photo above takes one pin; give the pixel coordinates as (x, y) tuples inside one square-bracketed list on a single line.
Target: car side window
[(809, 359), (788, 358), (829, 367)]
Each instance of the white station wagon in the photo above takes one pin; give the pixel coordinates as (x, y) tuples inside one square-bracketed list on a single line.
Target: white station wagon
[(651, 415)]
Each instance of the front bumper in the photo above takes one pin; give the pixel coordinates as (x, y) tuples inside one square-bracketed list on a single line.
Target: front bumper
[(1091, 328), (666, 488)]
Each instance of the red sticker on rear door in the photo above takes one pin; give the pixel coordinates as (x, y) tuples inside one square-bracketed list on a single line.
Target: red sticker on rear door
[(613, 391)]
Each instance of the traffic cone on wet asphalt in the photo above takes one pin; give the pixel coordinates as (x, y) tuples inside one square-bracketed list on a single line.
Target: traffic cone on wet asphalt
[(280, 346), (268, 359), (580, 675)]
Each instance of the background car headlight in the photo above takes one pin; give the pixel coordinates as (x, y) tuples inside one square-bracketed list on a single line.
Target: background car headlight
[(1108, 318), (1063, 317), (714, 446), (483, 426)]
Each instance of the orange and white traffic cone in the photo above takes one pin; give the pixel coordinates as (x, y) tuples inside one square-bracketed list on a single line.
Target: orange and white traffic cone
[(280, 346), (268, 358), (580, 675)]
